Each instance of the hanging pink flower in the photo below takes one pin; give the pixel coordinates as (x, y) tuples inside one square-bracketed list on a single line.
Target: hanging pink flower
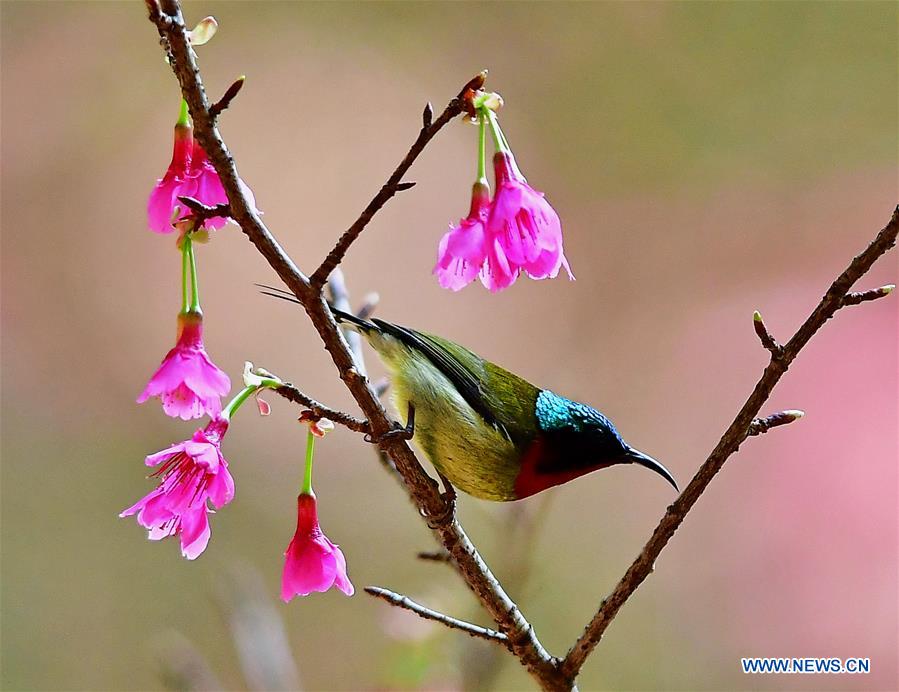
[(188, 382), (193, 474), (497, 274), (190, 174), (204, 184), (525, 231), (163, 207), (463, 248), (312, 562)]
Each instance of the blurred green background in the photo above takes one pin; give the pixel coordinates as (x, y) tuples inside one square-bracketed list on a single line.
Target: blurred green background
[(706, 159)]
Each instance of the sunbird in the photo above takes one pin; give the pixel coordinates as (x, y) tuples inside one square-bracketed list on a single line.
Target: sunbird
[(491, 433)]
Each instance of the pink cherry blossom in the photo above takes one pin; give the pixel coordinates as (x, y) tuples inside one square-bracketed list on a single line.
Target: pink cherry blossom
[(463, 248), (524, 229), (498, 273), (193, 474), (190, 174), (312, 562), (188, 382), (163, 207)]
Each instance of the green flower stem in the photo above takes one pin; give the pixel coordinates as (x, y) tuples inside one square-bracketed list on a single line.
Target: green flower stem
[(185, 269), (245, 394), (183, 116), (307, 476), (498, 139), (194, 283), (482, 147)]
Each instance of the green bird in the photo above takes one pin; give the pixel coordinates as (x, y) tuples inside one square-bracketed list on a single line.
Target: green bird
[(491, 433)]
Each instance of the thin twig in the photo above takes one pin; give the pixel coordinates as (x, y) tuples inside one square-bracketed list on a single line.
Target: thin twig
[(864, 296), (202, 212), (216, 108), (762, 425), (393, 184), (738, 430), (407, 603), (434, 556), (291, 393)]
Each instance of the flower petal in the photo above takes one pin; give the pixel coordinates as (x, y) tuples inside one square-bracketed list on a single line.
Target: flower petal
[(341, 580), (309, 566), (195, 532)]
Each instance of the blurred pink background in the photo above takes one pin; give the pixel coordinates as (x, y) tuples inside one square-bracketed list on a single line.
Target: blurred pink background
[(707, 160)]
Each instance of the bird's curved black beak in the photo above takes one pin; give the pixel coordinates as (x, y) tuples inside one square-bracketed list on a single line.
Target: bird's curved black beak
[(636, 457)]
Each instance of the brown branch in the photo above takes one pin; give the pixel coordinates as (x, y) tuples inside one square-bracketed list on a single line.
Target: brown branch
[(216, 108), (833, 300), (393, 184), (424, 491), (291, 393), (407, 603)]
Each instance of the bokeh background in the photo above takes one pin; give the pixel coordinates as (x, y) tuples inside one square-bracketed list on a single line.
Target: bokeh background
[(706, 159)]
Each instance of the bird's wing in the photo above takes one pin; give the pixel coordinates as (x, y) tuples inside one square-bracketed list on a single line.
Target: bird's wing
[(504, 400)]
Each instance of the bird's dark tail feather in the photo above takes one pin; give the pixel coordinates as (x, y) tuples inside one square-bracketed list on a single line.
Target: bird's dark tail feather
[(357, 322), (277, 293), (339, 315)]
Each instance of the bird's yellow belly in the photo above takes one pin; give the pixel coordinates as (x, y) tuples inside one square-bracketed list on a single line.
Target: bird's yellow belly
[(474, 456)]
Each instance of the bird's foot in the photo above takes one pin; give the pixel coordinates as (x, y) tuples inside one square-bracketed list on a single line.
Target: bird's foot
[(399, 431), (448, 513)]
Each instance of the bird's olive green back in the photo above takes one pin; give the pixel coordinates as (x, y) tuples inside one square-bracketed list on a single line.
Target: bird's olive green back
[(492, 391)]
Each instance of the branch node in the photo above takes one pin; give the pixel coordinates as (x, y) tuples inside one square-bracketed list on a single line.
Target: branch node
[(399, 187), (216, 108), (760, 426)]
